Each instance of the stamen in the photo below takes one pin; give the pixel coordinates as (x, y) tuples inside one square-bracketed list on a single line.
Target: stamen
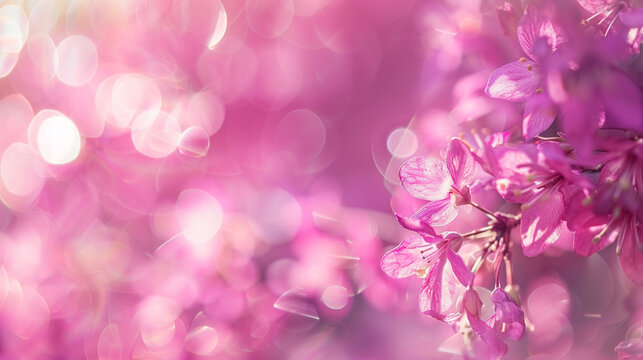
[(639, 246), (610, 25), (477, 232), (598, 236), (629, 220), (595, 15), (609, 13), (619, 242)]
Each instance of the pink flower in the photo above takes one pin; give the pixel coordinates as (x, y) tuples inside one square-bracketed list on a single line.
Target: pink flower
[(523, 80), (508, 318), (612, 213), (444, 185), (426, 257), (539, 177), (473, 328), (610, 10)]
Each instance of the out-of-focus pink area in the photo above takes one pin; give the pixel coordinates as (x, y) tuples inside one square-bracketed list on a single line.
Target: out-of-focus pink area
[(195, 179)]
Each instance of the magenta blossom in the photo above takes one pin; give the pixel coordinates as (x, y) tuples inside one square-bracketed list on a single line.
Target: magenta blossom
[(523, 80), (608, 11), (508, 318), (427, 256), (539, 177), (612, 213), (473, 328), (444, 185)]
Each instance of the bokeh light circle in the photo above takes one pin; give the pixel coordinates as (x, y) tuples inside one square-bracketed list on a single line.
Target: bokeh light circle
[(155, 134), (11, 38), (302, 133), (269, 18), (402, 143), (18, 170), (127, 96), (335, 297), (78, 60), (202, 340), (194, 142), (199, 215), (59, 141)]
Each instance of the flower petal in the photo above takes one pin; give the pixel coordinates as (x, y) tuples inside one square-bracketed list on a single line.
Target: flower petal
[(580, 213), (508, 18), (630, 348), (585, 243), (417, 225), (631, 257), (426, 178), (459, 268), (460, 163), (513, 158), (515, 81), (539, 115), (507, 312), (542, 222), (622, 100), (438, 290), (488, 335), (632, 18), (411, 256), (582, 118), (534, 26), (594, 6), (437, 213)]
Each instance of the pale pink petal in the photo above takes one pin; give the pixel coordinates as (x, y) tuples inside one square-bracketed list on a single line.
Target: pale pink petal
[(508, 18), (437, 213), (459, 268), (460, 163), (534, 26), (631, 257), (594, 6), (426, 178), (411, 255), (542, 222), (515, 81), (438, 290), (539, 115), (632, 18), (471, 303), (418, 226)]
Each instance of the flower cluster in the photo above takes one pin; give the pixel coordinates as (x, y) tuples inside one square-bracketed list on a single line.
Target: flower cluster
[(572, 167)]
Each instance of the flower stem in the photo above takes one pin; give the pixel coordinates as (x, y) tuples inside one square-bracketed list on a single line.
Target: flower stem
[(487, 212), (477, 232)]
